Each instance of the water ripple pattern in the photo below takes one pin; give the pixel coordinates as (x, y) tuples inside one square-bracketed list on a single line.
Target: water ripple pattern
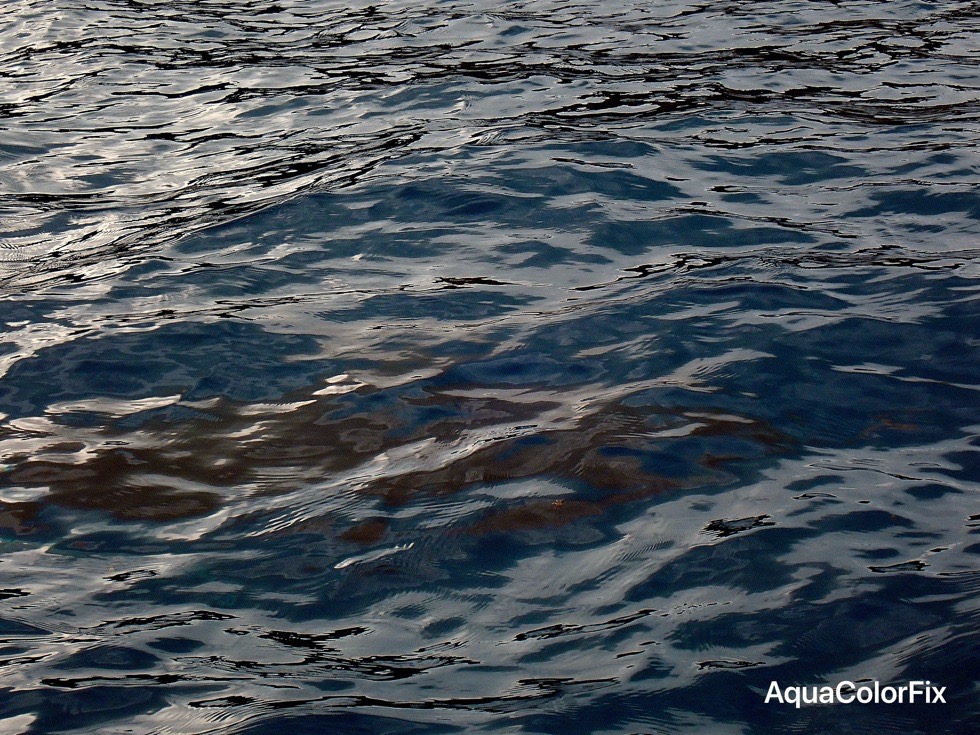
[(526, 367)]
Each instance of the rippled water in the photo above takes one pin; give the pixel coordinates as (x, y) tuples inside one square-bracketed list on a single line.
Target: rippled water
[(525, 367)]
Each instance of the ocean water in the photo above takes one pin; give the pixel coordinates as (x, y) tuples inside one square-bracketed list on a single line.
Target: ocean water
[(467, 367)]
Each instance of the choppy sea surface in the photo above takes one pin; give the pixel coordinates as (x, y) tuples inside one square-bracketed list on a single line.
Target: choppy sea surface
[(487, 367)]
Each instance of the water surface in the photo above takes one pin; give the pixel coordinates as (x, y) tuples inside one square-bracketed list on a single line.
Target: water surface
[(538, 367)]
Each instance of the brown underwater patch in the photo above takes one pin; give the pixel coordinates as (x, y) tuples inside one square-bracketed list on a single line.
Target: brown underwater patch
[(167, 471), (537, 514), (366, 533), (584, 453), (21, 518), (119, 482)]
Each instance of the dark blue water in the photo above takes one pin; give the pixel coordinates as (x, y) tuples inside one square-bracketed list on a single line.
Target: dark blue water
[(525, 367)]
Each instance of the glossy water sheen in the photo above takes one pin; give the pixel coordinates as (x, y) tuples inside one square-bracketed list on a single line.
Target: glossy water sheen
[(500, 367)]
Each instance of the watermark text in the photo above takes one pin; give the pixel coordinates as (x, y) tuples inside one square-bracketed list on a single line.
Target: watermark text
[(847, 692)]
